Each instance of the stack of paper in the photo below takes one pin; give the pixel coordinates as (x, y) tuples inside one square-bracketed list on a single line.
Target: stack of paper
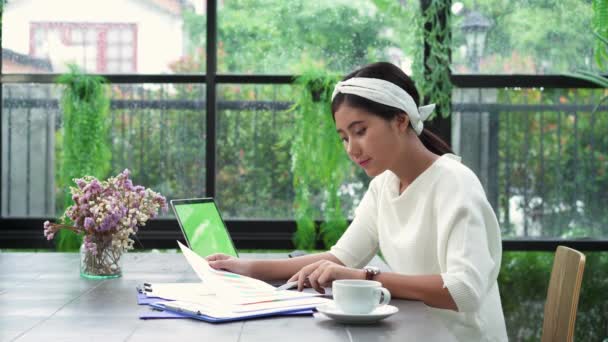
[(225, 296), (190, 292)]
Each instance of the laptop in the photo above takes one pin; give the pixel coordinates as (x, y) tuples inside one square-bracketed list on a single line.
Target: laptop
[(202, 225)]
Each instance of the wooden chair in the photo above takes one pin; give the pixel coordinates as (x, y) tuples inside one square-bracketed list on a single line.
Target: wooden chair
[(562, 296)]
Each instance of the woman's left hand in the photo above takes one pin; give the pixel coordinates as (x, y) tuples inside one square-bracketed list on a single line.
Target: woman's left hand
[(323, 273)]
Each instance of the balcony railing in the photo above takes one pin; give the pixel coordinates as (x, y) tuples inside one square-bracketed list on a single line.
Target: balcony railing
[(540, 155)]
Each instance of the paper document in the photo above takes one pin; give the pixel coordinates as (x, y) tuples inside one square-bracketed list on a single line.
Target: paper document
[(215, 308), (234, 288), (224, 296), (190, 292)]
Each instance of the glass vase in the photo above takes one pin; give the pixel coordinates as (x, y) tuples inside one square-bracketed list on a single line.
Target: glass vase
[(99, 259)]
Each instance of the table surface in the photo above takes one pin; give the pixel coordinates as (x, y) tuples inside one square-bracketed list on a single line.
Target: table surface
[(42, 297)]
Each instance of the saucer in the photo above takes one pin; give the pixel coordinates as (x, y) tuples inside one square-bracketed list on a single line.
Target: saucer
[(330, 310)]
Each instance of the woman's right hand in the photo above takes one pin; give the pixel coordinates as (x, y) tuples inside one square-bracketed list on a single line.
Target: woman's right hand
[(231, 264)]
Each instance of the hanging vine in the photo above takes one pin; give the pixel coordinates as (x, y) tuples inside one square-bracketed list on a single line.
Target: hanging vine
[(433, 74), (318, 162), (599, 25), (85, 104), (600, 30)]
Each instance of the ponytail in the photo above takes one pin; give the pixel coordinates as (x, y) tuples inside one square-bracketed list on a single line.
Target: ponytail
[(434, 143), (391, 73)]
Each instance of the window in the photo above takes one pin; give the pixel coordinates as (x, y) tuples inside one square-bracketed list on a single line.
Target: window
[(100, 48), (284, 36), (242, 150), (540, 155), (157, 131), (521, 37)]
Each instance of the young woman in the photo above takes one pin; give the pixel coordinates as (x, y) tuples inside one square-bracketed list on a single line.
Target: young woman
[(424, 210)]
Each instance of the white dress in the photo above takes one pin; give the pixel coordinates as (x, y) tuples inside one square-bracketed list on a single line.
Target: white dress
[(441, 224)]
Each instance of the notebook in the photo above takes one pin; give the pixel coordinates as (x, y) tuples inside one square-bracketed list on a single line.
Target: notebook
[(212, 315), (203, 227)]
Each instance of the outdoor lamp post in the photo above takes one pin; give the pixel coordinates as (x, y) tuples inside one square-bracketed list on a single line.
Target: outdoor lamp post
[(475, 27)]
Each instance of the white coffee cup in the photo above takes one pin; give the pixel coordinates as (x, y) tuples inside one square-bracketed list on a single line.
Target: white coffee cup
[(359, 296)]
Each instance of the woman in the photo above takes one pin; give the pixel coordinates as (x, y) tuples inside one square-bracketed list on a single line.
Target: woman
[(425, 211)]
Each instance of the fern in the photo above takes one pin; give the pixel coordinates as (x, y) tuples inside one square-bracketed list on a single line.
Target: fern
[(318, 161), (433, 75), (85, 104), (599, 25)]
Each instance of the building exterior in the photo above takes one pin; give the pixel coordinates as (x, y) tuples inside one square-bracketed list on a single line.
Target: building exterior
[(145, 36)]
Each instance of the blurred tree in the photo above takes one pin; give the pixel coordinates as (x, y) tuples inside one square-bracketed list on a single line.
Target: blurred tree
[(532, 36)]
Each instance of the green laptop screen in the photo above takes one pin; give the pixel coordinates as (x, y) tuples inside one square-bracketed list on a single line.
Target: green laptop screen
[(204, 228)]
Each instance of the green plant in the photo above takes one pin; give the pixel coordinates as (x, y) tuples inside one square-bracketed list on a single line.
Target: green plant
[(85, 104), (523, 281), (433, 73), (600, 30), (600, 27), (319, 163)]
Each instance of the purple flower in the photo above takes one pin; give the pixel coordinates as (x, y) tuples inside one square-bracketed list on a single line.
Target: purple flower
[(90, 245), (81, 183), (109, 222), (94, 187), (128, 185), (118, 205), (48, 230), (89, 223)]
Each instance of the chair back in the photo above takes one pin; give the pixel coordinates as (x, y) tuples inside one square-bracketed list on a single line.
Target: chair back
[(562, 296)]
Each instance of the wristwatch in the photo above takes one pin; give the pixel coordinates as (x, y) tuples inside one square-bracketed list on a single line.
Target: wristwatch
[(371, 272)]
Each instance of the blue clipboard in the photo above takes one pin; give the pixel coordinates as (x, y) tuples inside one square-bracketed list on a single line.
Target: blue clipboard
[(201, 317)]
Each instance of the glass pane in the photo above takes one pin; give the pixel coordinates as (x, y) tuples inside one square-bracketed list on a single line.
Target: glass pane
[(254, 177), (284, 37), (542, 156), (156, 131), (159, 133), (42, 36), (521, 37), (29, 126)]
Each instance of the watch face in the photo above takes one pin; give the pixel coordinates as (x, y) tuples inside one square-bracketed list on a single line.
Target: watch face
[(371, 272), (373, 269)]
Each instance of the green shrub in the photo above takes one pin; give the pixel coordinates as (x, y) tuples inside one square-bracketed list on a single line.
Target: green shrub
[(523, 281)]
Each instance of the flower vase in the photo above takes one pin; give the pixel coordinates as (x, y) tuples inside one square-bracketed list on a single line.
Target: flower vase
[(99, 259)]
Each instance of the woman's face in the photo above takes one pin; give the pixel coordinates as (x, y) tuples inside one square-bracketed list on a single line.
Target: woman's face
[(369, 140)]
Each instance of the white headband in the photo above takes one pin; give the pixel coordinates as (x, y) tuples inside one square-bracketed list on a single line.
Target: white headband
[(386, 93)]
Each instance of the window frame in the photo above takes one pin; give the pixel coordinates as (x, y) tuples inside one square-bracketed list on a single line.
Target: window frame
[(275, 234)]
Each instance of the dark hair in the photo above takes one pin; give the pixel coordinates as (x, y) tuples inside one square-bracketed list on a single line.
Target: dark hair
[(389, 72)]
